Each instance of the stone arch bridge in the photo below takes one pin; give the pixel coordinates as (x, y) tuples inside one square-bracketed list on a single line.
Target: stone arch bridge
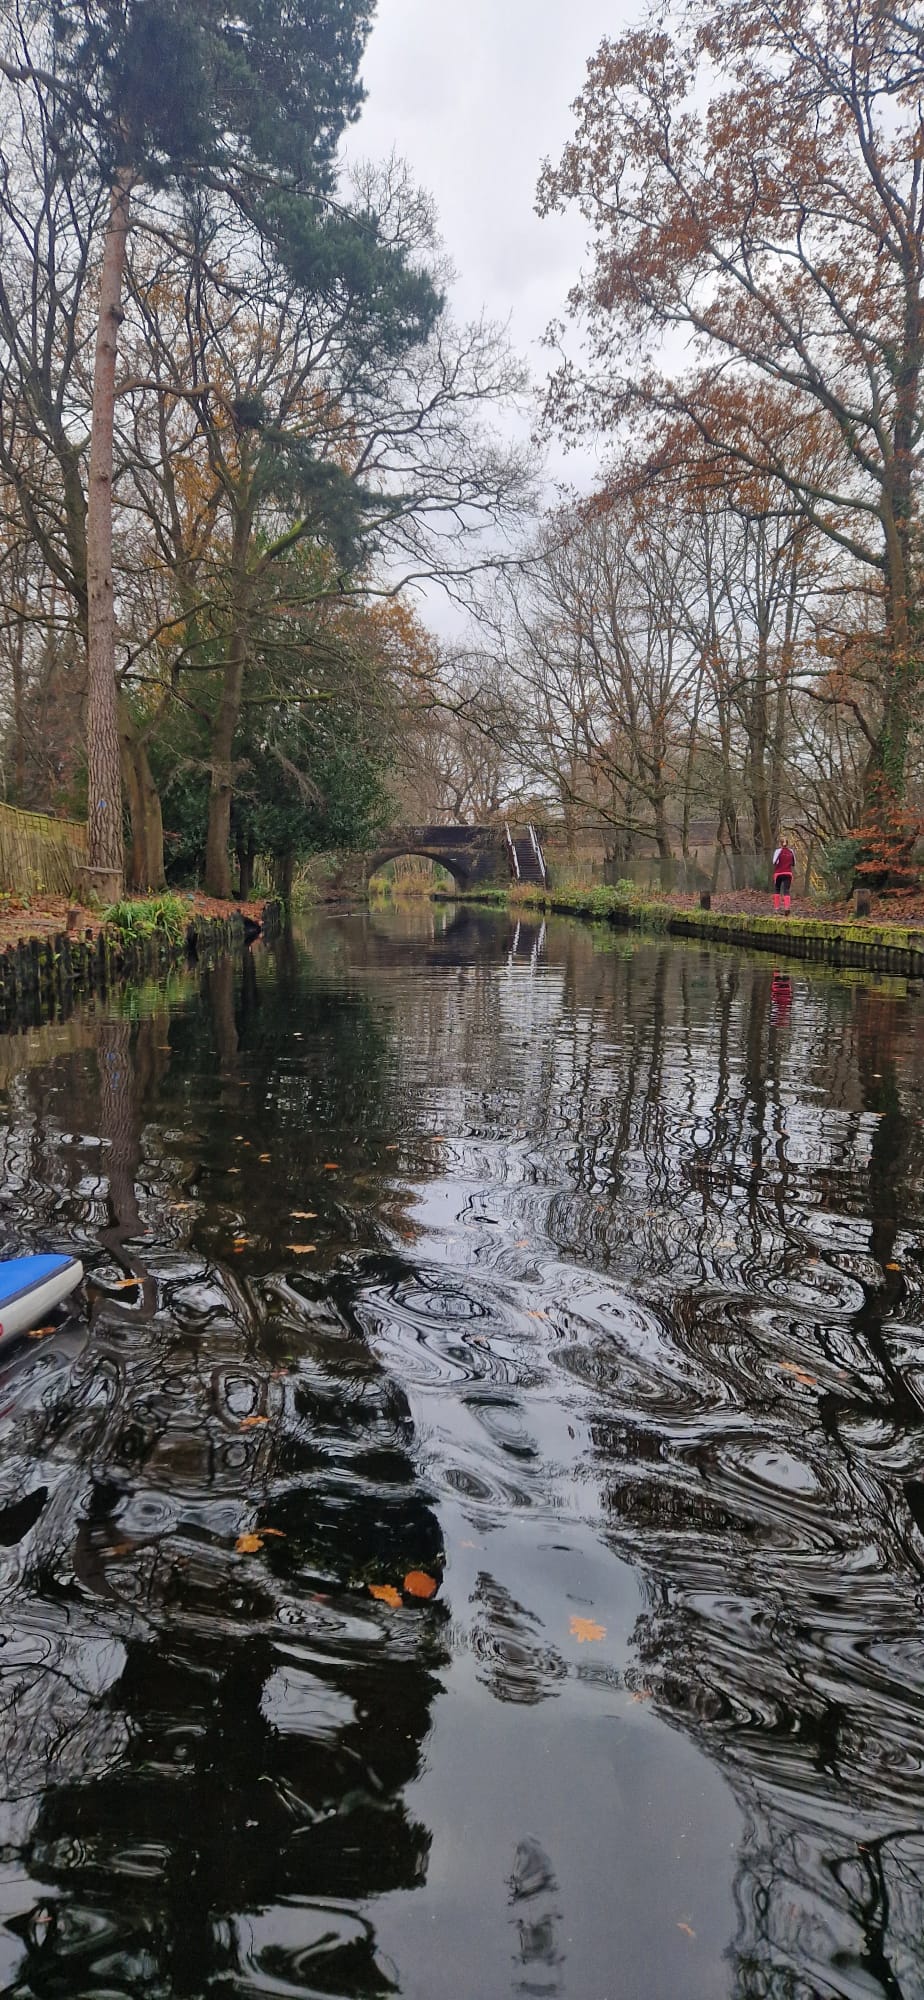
[(470, 854)]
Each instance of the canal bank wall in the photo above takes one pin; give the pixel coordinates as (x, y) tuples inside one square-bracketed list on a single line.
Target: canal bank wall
[(867, 945), (43, 976)]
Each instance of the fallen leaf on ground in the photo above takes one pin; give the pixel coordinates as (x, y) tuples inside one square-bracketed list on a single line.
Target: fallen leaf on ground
[(792, 1368), (418, 1584), (386, 1594), (247, 1545), (585, 1631), (251, 1423), (301, 1249)]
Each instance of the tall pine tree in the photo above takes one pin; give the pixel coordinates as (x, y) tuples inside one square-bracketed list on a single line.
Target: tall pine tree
[(249, 102)]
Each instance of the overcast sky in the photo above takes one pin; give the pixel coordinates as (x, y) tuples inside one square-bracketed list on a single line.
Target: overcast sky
[(473, 94)]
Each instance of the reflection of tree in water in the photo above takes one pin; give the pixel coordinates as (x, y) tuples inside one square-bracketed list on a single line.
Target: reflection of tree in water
[(202, 1746), (513, 1660), (534, 1901), (754, 1468)]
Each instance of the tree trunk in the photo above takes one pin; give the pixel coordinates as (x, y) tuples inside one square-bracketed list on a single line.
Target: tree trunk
[(218, 837), (283, 874), (19, 715), (146, 868), (104, 777), (246, 856)]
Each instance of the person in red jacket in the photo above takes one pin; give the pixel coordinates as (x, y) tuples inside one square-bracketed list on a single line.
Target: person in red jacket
[(784, 868)]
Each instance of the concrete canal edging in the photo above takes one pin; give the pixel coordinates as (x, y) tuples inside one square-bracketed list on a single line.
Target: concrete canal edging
[(867, 946), (41, 977)]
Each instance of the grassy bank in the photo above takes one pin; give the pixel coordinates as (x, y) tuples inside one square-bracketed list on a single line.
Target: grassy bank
[(875, 945), (56, 956)]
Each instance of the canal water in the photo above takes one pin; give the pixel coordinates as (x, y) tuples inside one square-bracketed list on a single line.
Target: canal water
[(472, 1541)]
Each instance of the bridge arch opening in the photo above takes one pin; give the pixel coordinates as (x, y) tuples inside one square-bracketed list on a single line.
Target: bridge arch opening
[(433, 871)]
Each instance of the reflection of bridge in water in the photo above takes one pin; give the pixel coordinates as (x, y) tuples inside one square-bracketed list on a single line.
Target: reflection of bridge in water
[(471, 854)]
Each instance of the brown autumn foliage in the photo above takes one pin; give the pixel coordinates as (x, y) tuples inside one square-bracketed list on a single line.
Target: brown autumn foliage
[(753, 179)]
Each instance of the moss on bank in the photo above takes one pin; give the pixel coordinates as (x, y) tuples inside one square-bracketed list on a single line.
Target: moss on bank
[(878, 946)]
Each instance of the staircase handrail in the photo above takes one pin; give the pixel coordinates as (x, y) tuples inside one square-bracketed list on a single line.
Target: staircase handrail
[(540, 857), (511, 850)]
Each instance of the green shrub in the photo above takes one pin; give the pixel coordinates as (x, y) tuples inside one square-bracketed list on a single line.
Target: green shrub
[(164, 917), (838, 864)]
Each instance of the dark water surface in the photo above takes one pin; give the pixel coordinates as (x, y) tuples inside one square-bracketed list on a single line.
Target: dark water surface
[(612, 1329)]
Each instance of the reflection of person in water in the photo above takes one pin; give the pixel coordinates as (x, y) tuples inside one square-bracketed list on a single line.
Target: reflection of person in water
[(780, 997)]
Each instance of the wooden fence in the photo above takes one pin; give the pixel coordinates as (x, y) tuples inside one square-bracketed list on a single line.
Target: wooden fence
[(39, 856)]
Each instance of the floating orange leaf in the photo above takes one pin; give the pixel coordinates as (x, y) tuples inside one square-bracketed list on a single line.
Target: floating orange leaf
[(302, 1249), (331, 1167), (386, 1594), (304, 1214), (252, 1423), (536, 1314), (264, 1157), (39, 1332), (586, 1632), (418, 1584), (277, 1533), (685, 1928), (247, 1545), (792, 1368)]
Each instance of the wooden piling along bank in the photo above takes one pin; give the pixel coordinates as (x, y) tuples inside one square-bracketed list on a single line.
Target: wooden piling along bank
[(41, 978), (871, 947)]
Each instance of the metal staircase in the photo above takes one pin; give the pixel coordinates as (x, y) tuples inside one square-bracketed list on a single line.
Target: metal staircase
[(527, 861)]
